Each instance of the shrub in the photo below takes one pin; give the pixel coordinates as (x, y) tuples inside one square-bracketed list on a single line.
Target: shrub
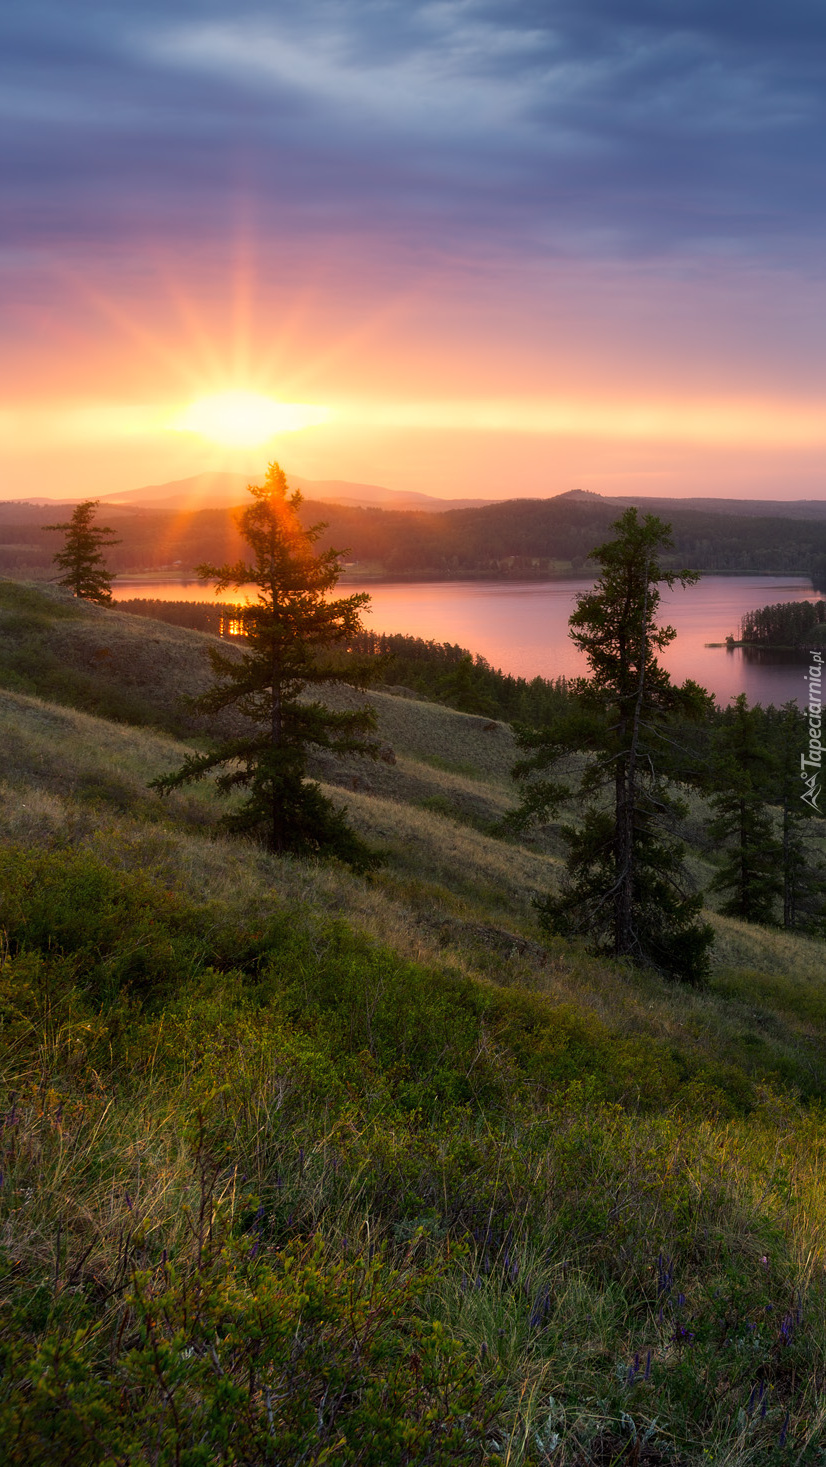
[(298, 1358)]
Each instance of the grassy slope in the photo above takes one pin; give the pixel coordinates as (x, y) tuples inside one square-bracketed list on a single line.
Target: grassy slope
[(426, 1071)]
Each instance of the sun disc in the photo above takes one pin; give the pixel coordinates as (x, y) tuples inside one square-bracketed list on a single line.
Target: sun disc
[(244, 419)]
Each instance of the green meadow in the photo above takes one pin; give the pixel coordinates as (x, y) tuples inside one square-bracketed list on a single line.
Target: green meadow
[(302, 1166)]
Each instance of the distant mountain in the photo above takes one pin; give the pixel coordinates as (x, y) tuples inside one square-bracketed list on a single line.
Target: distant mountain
[(200, 491), (223, 490), (339, 491), (220, 490), (787, 509)]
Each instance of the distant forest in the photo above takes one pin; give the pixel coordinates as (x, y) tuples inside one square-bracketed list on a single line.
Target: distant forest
[(519, 539), (785, 624)]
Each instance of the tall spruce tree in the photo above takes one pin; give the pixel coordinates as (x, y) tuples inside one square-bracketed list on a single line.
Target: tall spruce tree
[(291, 633), (771, 869), (625, 885), (751, 873), (81, 559)]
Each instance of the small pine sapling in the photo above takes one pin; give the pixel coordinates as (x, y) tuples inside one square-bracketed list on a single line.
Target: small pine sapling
[(81, 559)]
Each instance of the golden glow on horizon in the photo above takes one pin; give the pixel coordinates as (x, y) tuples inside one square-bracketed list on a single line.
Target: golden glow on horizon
[(246, 419), (740, 423), (478, 383)]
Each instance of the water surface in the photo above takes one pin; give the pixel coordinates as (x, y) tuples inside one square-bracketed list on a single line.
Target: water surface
[(522, 626)]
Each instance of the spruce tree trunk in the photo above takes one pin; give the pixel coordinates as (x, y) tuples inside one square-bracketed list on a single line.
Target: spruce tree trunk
[(623, 858), (626, 805), (276, 737), (745, 905), (788, 889)]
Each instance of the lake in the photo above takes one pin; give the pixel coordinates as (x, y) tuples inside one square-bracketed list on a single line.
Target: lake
[(522, 626)]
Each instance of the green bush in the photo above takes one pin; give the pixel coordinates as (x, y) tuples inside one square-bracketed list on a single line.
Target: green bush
[(120, 934), (299, 1358)]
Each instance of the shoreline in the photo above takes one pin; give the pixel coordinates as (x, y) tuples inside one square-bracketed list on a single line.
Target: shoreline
[(139, 578)]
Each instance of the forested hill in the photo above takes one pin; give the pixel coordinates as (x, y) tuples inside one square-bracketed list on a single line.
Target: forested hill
[(518, 538)]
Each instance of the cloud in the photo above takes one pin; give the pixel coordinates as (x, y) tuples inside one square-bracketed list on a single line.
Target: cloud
[(566, 125), (446, 87)]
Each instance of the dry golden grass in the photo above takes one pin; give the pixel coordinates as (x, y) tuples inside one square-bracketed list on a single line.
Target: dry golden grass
[(431, 847), (468, 743), (60, 750), (148, 661), (439, 754), (770, 950), (415, 782)]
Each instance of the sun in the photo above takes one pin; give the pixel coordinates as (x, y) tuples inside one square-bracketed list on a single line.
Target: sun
[(245, 419)]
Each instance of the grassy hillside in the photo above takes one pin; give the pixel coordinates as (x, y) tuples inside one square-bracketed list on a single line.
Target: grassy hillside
[(299, 1165)]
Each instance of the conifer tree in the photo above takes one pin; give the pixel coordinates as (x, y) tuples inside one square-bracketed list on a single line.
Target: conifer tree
[(81, 559), (818, 572), (625, 884), (290, 633), (752, 868)]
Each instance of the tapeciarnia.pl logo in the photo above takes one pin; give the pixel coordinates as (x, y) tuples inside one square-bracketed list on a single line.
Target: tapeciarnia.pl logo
[(812, 760)]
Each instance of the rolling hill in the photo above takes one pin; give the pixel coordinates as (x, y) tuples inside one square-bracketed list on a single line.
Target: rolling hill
[(270, 1125)]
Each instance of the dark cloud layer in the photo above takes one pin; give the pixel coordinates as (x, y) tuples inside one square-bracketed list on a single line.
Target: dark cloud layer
[(645, 126)]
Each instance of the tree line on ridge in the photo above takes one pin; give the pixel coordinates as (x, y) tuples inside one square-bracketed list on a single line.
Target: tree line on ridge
[(517, 539)]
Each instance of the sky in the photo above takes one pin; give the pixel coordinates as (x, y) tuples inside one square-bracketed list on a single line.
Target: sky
[(465, 248)]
